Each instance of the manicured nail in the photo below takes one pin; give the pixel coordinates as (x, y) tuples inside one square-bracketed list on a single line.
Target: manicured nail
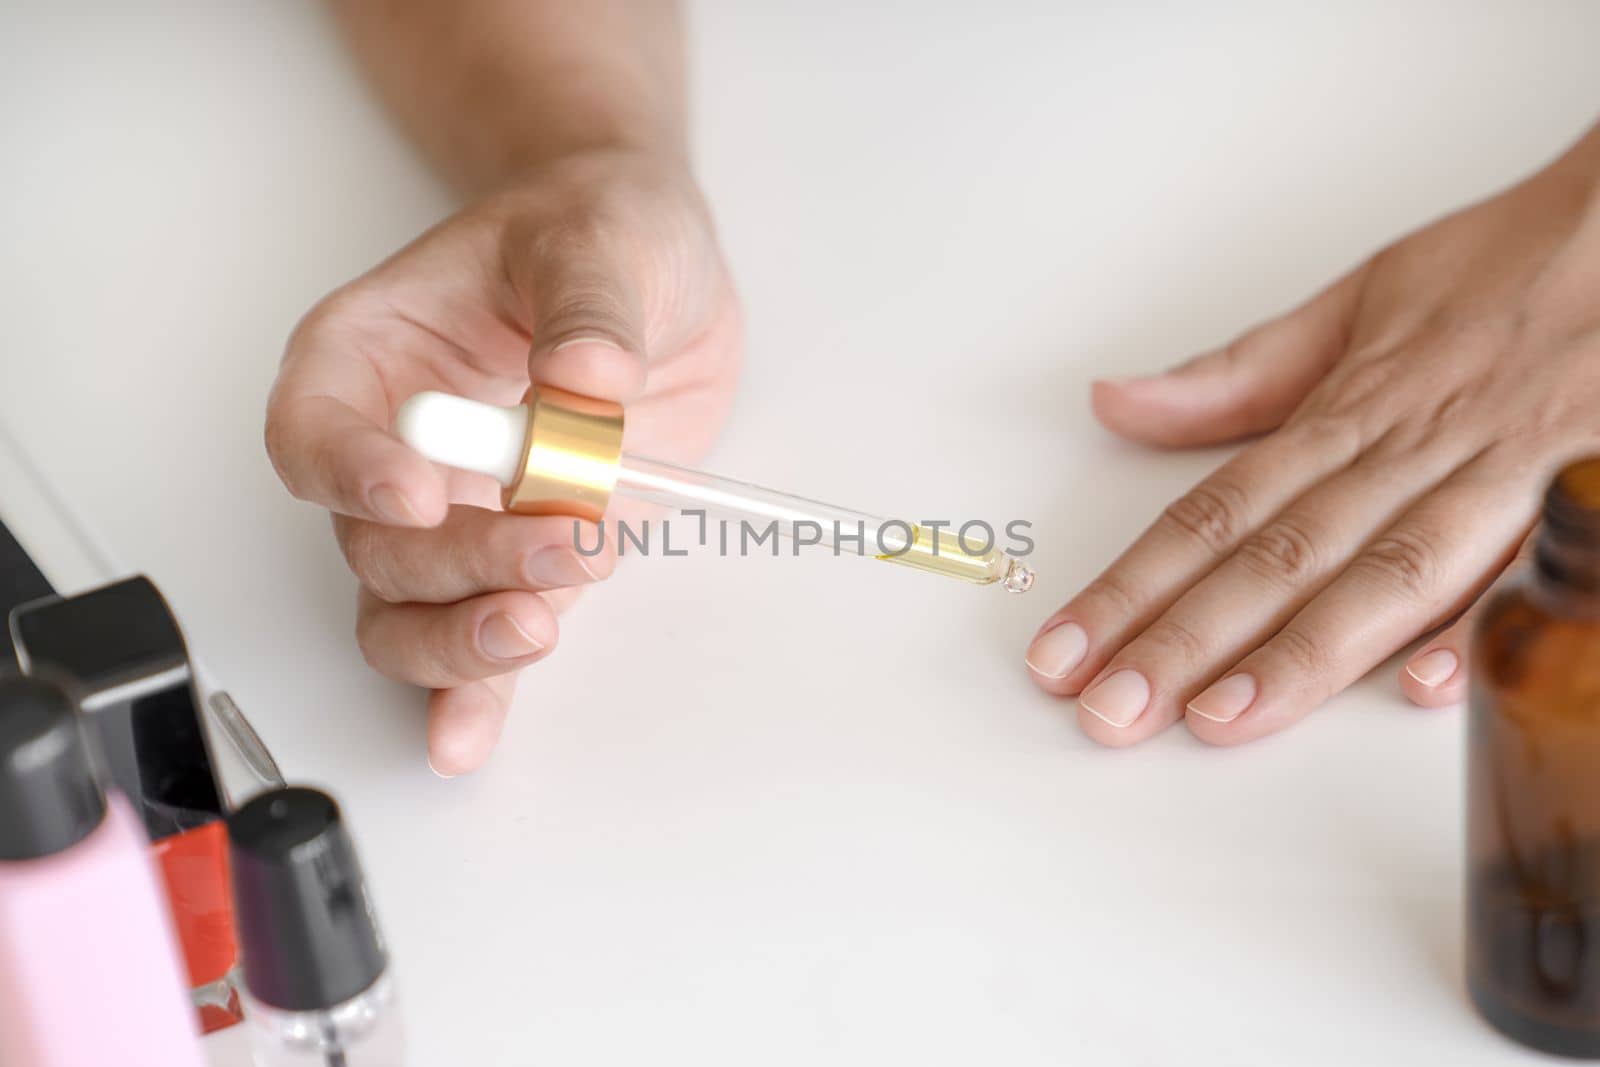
[(555, 568), (1055, 652), (604, 342), (393, 506), (437, 771), (1117, 699), (1227, 700), (1130, 379), (501, 637), (1435, 668)]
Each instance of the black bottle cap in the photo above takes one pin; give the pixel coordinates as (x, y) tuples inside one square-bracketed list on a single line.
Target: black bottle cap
[(49, 796), (307, 934), (122, 649)]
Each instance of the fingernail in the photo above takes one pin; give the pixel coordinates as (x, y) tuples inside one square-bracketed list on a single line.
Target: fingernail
[(603, 341), (1131, 379), (1117, 699), (437, 771), (392, 504), (1435, 668), (1227, 700), (1055, 652), (554, 568), (501, 637)]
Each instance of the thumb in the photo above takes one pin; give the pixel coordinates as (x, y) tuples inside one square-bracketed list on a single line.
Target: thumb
[(587, 323), (1245, 388)]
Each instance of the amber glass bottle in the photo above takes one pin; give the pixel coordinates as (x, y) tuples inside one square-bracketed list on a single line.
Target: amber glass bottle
[(1533, 781)]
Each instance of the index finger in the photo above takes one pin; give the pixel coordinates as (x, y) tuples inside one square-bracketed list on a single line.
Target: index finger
[(328, 439)]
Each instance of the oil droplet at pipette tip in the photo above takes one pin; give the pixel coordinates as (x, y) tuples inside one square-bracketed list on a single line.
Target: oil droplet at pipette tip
[(1018, 577)]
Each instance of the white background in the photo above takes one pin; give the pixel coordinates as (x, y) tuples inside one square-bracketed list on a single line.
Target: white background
[(809, 811)]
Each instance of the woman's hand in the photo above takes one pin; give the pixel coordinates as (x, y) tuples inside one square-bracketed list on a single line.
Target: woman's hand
[(1412, 413), (598, 273)]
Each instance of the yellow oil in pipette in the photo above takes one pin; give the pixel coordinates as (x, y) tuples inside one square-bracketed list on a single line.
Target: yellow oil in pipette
[(560, 454), (941, 552)]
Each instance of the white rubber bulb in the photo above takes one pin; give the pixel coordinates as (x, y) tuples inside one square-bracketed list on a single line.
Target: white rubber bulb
[(466, 434)]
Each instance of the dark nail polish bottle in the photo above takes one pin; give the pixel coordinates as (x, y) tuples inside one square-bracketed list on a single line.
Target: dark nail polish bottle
[(317, 983), (1533, 780)]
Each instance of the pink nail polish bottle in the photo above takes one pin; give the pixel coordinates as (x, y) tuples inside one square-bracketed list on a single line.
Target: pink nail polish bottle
[(89, 968)]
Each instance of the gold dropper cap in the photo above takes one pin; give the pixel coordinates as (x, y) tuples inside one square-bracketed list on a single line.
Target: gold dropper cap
[(570, 455)]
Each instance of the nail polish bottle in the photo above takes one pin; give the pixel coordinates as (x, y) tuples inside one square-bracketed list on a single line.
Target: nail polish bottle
[(1533, 780), (121, 649), (89, 969), (317, 985)]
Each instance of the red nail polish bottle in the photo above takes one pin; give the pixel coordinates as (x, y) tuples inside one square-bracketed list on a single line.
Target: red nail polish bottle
[(121, 652), (1533, 779)]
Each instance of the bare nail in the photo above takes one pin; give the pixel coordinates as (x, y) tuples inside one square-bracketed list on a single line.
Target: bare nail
[(1118, 699), (1227, 700), (556, 568), (1057, 651), (1435, 668), (502, 637), (392, 505), (604, 342)]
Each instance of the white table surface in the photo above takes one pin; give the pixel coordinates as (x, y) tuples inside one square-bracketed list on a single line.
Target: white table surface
[(808, 811)]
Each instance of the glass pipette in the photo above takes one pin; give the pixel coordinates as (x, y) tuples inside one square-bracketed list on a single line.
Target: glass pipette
[(561, 454)]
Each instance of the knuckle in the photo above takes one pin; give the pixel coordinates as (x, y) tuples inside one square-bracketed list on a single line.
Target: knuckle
[(1480, 338), (1544, 430), (1360, 382), (440, 654), (1176, 636), (1454, 405), (369, 558), (1398, 444), (1403, 560), (1284, 553), (478, 565), (1111, 591), (394, 645), (1212, 513), (1304, 653), (1316, 428), (1553, 425)]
